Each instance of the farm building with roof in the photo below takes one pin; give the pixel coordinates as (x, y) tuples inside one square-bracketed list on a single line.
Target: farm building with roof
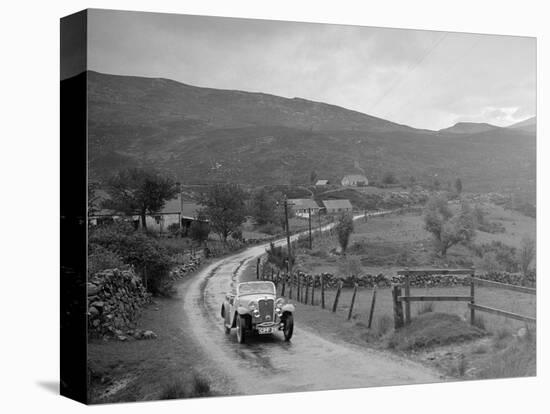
[(355, 180), (175, 211), (302, 206), (337, 206)]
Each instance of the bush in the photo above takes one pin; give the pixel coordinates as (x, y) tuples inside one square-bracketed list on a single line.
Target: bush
[(389, 178), (145, 253), (199, 231), (278, 256), (302, 242), (497, 256), (269, 228), (100, 258), (174, 230), (344, 228)]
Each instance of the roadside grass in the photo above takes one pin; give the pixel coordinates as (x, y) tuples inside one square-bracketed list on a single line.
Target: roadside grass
[(517, 359), (516, 302), (144, 370), (432, 329), (425, 307), (479, 321), (194, 387)]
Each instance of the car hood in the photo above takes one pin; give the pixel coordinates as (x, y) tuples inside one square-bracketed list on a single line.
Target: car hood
[(256, 297)]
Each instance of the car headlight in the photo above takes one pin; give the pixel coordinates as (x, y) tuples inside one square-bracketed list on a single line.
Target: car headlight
[(252, 306)]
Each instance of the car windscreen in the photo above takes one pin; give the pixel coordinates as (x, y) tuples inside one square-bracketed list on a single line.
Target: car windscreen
[(252, 288)]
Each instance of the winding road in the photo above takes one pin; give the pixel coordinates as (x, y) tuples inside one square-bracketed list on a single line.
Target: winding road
[(268, 364)]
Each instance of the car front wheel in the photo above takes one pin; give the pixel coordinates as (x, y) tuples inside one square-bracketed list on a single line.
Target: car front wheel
[(289, 327), (241, 324), (226, 327)]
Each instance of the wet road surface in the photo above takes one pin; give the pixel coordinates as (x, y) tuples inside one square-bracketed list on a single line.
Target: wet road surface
[(268, 364)]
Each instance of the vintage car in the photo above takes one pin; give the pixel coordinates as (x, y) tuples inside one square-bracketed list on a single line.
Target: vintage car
[(252, 307)]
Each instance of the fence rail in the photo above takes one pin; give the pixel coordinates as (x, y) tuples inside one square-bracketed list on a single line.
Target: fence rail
[(515, 288), (403, 318), (303, 288), (429, 298), (501, 312)]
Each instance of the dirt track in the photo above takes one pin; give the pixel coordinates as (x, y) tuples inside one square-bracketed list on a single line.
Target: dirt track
[(267, 364)]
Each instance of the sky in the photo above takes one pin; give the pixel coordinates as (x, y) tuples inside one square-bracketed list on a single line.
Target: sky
[(424, 79)]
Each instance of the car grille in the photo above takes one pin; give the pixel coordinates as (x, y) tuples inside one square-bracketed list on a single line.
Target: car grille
[(265, 307)]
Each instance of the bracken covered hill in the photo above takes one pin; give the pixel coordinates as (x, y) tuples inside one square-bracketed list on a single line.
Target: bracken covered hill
[(202, 135)]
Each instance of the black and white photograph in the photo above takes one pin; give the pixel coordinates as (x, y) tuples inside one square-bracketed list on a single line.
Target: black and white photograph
[(279, 206), (261, 207)]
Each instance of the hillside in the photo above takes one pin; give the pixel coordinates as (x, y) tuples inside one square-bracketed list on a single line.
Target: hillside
[(204, 135), (469, 128), (529, 125)]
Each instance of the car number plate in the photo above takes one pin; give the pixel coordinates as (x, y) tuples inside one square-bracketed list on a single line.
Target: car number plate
[(265, 330)]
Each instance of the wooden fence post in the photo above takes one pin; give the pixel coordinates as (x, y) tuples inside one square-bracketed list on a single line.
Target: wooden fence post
[(335, 305), (258, 268), (472, 301), (397, 307), (372, 303), (307, 289), (323, 290), (290, 282), (407, 303), (313, 290), (352, 301)]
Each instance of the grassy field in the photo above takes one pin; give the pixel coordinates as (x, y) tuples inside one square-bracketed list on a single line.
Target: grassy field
[(386, 244), (516, 302), (517, 226), (440, 334)]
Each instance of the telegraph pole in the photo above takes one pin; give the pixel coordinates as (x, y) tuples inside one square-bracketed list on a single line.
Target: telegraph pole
[(288, 238), (309, 224), (320, 227)]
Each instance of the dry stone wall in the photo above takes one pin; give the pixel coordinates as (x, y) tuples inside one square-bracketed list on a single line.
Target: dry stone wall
[(115, 299), (381, 280)]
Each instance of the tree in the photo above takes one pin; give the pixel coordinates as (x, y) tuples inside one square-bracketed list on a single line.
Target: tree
[(448, 229), (458, 185), (224, 207), (313, 177), (389, 178), (344, 228), (526, 255), (140, 192), (278, 256), (199, 229), (264, 207)]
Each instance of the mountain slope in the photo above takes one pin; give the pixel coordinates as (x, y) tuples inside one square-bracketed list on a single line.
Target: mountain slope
[(469, 128), (203, 135), (529, 125)]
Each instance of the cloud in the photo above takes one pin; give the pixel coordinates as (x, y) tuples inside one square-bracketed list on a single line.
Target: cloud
[(420, 78)]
